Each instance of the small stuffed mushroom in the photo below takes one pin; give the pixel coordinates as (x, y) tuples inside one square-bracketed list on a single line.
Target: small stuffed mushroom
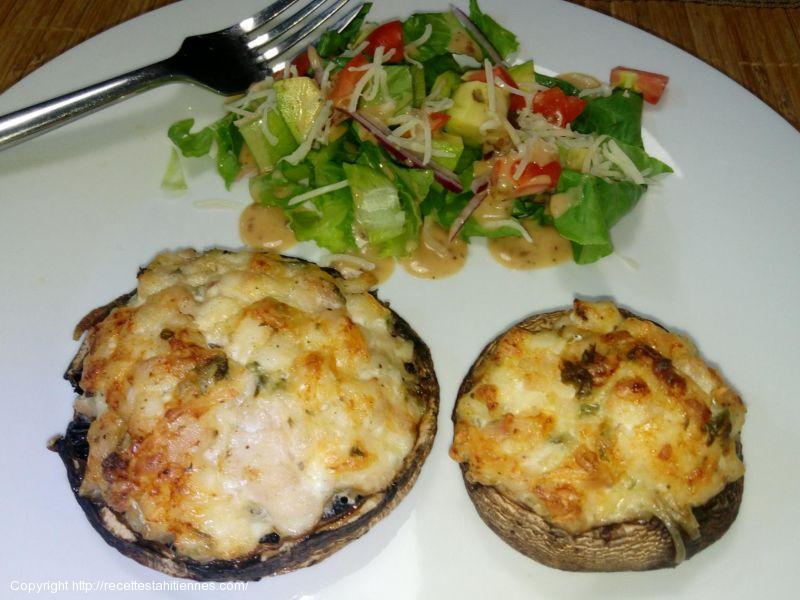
[(594, 440)]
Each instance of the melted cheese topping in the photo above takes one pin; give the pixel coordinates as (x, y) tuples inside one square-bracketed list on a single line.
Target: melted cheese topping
[(600, 419), (238, 395)]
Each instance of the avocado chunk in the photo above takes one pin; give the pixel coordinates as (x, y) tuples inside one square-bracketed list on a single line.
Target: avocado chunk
[(444, 84), (400, 86), (523, 73), (299, 101), (266, 154), (452, 144), (471, 109), (461, 42), (573, 157)]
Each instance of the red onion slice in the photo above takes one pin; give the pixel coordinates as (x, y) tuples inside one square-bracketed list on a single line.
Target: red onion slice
[(480, 183), (409, 158), (473, 30), (465, 214)]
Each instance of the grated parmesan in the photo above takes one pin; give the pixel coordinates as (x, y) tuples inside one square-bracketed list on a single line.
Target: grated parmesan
[(316, 129), (511, 224), (412, 46), (614, 153), (320, 191), (361, 263)]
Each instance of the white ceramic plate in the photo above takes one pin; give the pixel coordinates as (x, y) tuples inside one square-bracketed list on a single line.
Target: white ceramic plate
[(718, 255)]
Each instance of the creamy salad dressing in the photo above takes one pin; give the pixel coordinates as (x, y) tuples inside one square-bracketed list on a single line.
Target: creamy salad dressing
[(582, 81), (548, 248), (382, 268), (265, 228), (435, 258)]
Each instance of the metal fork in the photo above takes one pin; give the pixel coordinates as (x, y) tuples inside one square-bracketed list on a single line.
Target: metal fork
[(226, 62)]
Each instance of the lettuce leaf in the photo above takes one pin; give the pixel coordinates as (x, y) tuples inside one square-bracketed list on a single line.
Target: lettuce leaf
[(227, 136), (438, 65), (466, 162), (399, 84), (596, 206), (411, 185), (501, 38), (445, 206), (566, 87), (618, 115), (273, 189), (330, 225), (414, 28), (229, 144), (643, 161), (328, 219), (332, 43), (174, 179), (528, 208), (190, 144), (377, 204)]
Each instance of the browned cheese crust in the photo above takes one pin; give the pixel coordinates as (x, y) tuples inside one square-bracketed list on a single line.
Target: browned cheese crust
[(273, 556)]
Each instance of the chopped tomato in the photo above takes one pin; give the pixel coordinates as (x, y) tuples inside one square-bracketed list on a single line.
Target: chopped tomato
[(390, 36), (557, 107), (302, 64), (516, 102), (534, 178), (438, 120), (499, 72), (649, 85), (344, 82)]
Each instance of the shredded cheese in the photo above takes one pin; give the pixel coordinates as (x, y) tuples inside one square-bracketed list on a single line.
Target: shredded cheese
[(361, 263), (592, 152), (492, 99), (601, 90), (271, 137), (614, 153), (411, 47), (414, 62), (355, 51), (374, 75), (320, 191), (427, 136), (316, 128), (510, 223), (426, 35), (218, 204), (512, 133), (524, 161), (240, 111), (430, 104), (429, 239), (325, 80)]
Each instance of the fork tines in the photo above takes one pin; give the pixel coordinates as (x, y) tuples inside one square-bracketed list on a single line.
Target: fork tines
[(270, 40)]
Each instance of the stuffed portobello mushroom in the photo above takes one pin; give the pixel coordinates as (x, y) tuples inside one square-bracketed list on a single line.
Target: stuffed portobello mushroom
[(593, 440), (243, 414)]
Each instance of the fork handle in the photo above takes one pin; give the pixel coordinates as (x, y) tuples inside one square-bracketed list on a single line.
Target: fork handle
[(29, 122)]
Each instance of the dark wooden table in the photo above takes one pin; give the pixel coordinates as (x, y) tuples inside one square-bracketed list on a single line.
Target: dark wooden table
[(758, 47)]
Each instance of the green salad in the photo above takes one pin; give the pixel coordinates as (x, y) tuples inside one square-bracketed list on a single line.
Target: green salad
[(380, 127)]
